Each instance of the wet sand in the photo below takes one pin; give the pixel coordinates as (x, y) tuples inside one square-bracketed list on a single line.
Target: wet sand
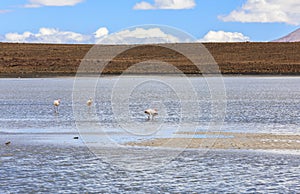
[(228, 140)]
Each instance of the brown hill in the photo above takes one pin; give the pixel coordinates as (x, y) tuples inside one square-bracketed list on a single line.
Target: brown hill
[(292, 37), (35, 60)]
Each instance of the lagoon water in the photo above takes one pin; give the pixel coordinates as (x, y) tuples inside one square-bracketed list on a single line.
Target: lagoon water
[(44, 157)]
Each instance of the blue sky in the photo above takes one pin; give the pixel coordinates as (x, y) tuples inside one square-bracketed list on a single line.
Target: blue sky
[(206, 20)]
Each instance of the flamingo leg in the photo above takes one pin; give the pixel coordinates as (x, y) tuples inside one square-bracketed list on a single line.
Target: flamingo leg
[(56, 109)]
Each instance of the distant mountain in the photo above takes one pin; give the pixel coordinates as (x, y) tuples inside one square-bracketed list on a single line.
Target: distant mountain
[(292, 37)]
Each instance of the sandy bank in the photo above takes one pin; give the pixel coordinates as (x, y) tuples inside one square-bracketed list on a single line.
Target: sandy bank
[(228, 140)]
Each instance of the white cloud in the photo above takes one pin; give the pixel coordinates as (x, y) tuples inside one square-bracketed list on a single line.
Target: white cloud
[(40, 3), (101, 32), (101, 36), (140, 36), (143, 6), (166, 4), (4, 11), (266, 11), (136, 35), (52, 35), (48, 35), (221, 36)]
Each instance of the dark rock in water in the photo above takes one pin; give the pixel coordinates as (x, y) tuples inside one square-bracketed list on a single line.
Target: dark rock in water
[(7, 143), (75, 137)]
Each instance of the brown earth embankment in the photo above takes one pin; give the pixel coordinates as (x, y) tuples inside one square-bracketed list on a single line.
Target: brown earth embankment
[(42, 60)]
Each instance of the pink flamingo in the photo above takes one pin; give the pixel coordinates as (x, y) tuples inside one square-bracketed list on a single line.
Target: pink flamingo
[(151, 113), (56, 104), (89, 102)]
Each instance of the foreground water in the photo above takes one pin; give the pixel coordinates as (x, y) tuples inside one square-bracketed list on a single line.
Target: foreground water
[(44, 157), (52, 169)]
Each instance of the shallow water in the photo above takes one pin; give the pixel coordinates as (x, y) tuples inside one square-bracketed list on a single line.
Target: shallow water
[(254, 104), (27, 169), (44, 157)]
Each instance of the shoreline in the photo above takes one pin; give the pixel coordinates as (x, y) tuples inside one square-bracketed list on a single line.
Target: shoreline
[(227, 140), (145, 75), (270, 144)]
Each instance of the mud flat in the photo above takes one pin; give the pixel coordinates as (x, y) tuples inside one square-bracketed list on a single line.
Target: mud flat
[(227, 140), (49, 60)]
